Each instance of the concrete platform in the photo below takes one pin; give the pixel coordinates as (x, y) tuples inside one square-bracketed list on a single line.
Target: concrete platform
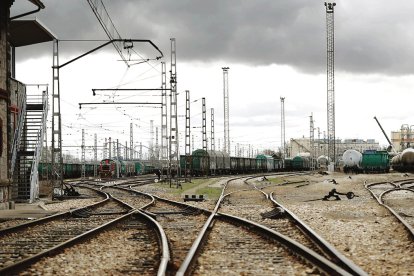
[(25, 210)]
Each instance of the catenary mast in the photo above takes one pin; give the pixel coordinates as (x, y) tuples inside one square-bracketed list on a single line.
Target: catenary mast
[(330, 79), (226, 147)]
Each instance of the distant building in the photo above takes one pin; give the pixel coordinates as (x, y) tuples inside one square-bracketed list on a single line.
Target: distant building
[(404, 138), (300, 145)]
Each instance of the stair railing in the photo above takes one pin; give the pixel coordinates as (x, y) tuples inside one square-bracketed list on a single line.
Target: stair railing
[(34, 175)]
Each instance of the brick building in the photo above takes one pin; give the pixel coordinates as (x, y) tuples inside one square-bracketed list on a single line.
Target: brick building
[(14, 32)]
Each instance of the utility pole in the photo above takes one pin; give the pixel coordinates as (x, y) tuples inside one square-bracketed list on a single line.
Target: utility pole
[(105, 151), (110, 148), (204, 124), (151, 144), (311, 144), (187, 137), (131, 142), (95, 153), (213, 146), (226, 147), (330, 36), (174, 147), (282, 127), (164, 119), (83, 155)]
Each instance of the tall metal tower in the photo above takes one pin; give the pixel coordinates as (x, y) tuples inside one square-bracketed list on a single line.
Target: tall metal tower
[(187, 137), (151, 144), (282, 126), (164, 112), (157, 146), (187, 123), (226, 147), (105, 150), (174, 155), (312, 143), (330, 78), (57, 161), (204, 123), (95, 153), (83, 155), (131, 141), (213, 146)]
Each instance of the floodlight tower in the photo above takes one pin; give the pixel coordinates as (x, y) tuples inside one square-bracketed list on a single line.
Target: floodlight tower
[(330, 78), (226, 147), (282, 125)]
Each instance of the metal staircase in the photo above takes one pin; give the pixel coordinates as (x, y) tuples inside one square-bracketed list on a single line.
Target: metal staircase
[(28, 147)]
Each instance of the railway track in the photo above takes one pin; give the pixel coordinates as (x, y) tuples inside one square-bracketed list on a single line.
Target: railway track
[(252, 249), (25, 243), (398, 198), (129, 246), (181, 224)]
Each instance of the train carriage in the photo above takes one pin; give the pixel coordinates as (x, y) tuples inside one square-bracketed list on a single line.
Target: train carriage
[(200, 163), (266, 163), (374, 161)]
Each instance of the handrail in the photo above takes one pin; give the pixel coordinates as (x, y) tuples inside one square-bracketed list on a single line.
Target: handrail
[(34, 175)]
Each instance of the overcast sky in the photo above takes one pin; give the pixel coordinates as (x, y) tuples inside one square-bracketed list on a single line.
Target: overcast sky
[(273, 49)]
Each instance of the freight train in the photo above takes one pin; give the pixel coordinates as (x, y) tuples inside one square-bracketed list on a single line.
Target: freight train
[(207, 162), (115, 168), (370, 161), (107, 168)]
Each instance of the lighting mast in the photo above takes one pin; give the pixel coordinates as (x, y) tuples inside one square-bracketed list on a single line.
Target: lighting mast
[(226, 146), (330, 80)]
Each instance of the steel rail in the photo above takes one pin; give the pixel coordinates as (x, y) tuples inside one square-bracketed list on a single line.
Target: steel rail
[(325, 246), (380, 200), (316, 259)]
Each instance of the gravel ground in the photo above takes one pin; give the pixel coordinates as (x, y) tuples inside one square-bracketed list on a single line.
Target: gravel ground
[(360, 228)]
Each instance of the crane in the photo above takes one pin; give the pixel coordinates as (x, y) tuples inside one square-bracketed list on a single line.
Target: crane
[(389, 142)]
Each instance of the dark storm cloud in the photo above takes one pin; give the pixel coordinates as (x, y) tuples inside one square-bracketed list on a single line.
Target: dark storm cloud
[(371, 36)]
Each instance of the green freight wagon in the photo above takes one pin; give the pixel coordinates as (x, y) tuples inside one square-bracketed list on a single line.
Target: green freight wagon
[(375, 161), (200, 162)]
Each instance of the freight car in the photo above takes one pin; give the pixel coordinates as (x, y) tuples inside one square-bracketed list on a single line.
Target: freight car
[(404, 161), (70, 170), (301, 163), (375, 161), (352, 161)]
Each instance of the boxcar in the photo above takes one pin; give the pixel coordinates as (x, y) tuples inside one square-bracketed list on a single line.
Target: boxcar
[(375, 161), (200, 162), (300, 163)]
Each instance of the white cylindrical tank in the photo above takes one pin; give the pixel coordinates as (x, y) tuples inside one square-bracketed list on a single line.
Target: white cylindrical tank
[(323, 160), (396, 159), (352, 158), (407, 157)]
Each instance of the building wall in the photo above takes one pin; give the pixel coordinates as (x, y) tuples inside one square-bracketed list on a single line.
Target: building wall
[(4, 102), (402, 139)]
